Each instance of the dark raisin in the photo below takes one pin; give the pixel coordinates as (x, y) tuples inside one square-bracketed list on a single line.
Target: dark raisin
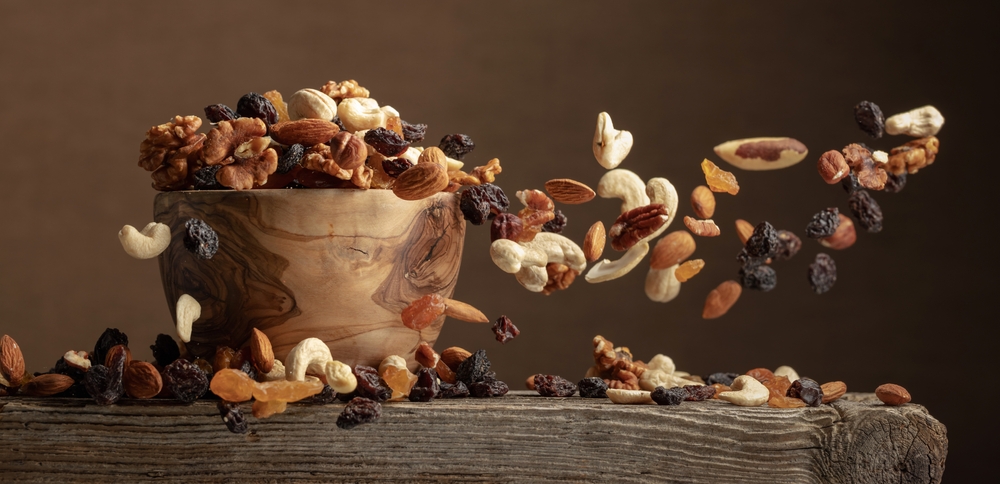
[(504, 329), (104, 384), (413, 133), (165, 350), (456, 145), (760, 278), (593, 387), (232, 415), (822, 273), (370, 385), (186, 381), (386, 142), (339, 123), (490, 387), (763, 243), (851, 183), (253, 105), (110, 338), (346, 397), (788, 245), (458, 390), (748, 263), (200, 239), (327, 395), (426, 387), (723, 378), (866, 211), (63, 368), (554, 386), (668, 396), (358, 411), (699, 393), (395, 166), (557, 224), (870, 118), (290, 158), (480, 202), (219, 112), (248, 368), (473, 369), (823, 224), (294, 184), (808, 390), (506, 226), (894, 183), (204, 178)]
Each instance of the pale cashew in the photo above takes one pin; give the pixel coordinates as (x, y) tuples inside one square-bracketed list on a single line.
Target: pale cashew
[(661, 284), (528, 260), (919, 123), (358, 113), (507, 255), (77, 359), (311, 354), (312, 104), (188, 311), (533, 278), (746, 392), (277, 372), (389, 111), (610, 145), (411, 154), (453, 164), (661, 363), (787, 372), (606, 270), (650, 379), (146, 244), (558, 249), (629, 396), (625, 185), (661, 191), (340, 377)]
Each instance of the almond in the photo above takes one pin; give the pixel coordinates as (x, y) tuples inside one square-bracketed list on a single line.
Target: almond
[(743, 230), (261, 353), (420, 181), (833, 390), (703, 228), (11, 361), (433, 155), (703, 201), (142, 380), (47, 385), (464, 312), (892, 394), (426, 356), (672, 249), (721, 299), (454, 356), (844, 237), (114, 353), (307, 132), (570, 192), (593, 242)]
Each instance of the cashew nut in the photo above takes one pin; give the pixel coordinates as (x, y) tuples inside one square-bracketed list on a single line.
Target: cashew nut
[(662, 285), (188, 311), (311, 354), (508, 255), (650, 379), (626, 185), (390, 112), (358, 113), (610, 145), (629, 396), (661, 363), (557, 249), (528, 260), (787, 372), (533, 278), (746, 392), (340, 377), (146, 244), (312, 104), (919, 123), (606, 270), (661, 191), (277, 373)]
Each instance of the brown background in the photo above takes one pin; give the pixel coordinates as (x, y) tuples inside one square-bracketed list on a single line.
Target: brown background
[(81, 85)]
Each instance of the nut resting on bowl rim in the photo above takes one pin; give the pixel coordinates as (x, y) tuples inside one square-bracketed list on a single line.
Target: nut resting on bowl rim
[(339, 265)]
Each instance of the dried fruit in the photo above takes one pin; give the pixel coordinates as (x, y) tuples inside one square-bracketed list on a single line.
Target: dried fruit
[(204, 365), (824, 223), (423, 312), (185, 380), (165, 350), (844, 237), (721, 378), (570, 192), (822, 273), (870, 118), (358, 411), (224, 358), (592, 387), (232, 415), (721, 299), (866, 211), (290, 158), (386, 142), (232, 385), (833, 167), (279, 105), (553, 386), (370, 385), (104, 384), (766, 153), (895, 183), (482, 201), (668, 396), (593, 242), (719, 180), (200, 239), (473, 369), (325, 396), (395, 166), (456, 390), (892, 394), (456, 145), (699, 393), (110, 338), (142, 380), (283, 391), (703, 202), (490, 387), (636, 224), (262, 409), (204, 178), (396, 375), (850, 183), (506, 226), (253, 105), (504, 329), (808, 390), (833, 390), (781, 401), (557, 224), (413, 133), (426, 387), (788, 245), (219, 112), (760, 278), (688, 269)]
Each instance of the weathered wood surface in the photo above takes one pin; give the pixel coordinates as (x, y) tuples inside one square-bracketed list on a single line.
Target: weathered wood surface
[(519, 437)]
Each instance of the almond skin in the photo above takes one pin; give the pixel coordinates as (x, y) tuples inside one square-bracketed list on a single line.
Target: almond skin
[(703, 228), (47, 385), (833, 390), (454, 356), (743, 230), (672, 249), (570, 192), (844, 237), (142, 380), (11, 361), (892, 394), (305, 132), (593, 242), (721, 299), (463, 312), (261, 353), (420, 181), (703, 202)]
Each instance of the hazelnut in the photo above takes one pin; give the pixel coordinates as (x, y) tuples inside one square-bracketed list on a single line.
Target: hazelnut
[(833, 167)]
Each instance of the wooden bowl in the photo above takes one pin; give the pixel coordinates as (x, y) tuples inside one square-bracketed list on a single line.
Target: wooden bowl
[(335, 264)]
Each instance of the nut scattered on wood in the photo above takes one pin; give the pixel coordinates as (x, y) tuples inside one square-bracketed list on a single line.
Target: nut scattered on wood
[(77, 359), (844, 237), (721, 299), (743, 230), (570, 192), (892, 394), (746, 391), (11, 362), (463, 312), (762, 153), (593, 242), (261, 352), (454, 356), (150, 242), (142, 380), (629, 396), (47, 385), (702, 228), (833, 390), (420, 181), (703, 201), (672, 249)]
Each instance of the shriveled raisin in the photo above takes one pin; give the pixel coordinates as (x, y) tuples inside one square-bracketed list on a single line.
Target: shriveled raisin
[(763, 242), (557, 224), (185, 380), (104, 384), (760, 278), (223, 359), (895, 183), (474, 368), (456, 145), (395, 166), (669, 396), (554, 386), (822, 273), (386, 142), (489, 387), (458, 390), (426, 387), (370, 385), (788, 245), (593, 387), (248, 368), (325, 396), (358, 411), (165, 349), (824, 223), (808, 390), (253, 105), (866, 211), (219, 112), (870, 118), (699, 393), (719, 180), (504, 329), (851, 183), (480, 202), (232, 415), (339, 123), (413, 133), (200, 239), (110, 338), (422, 312), (290, 158), (506, 226)]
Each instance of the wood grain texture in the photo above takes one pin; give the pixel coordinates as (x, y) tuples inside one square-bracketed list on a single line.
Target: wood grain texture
[(520, 437), (339, 265)]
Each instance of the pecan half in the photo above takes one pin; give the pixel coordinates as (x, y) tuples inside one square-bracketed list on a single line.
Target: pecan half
[(636, 224), (703, 228)]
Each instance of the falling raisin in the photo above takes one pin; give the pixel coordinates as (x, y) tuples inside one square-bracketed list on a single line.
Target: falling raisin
[(788, 245), (232, 415), (554, 386), (104, 384), (808, 390), (722, 378), (204, 178), (219, 112), (763, 243), (866, 211), (186, 381), (823, 224), (458, 390), (110, 338), (668, 396), (370, 385), (456, 145), (426, 387), (413, 133), (489, 387), (290, 158), (870, 118), (504, 329), (386, 142), (894, 183), (395, 166), (851, 183), (474, 368), (480, 202), (760, 278), (327, 395), (358, 411), (557, 224), (253, 105), (822, 273), (699, 393), (593, 387), (165, 350), (200, 239), (506, 226)]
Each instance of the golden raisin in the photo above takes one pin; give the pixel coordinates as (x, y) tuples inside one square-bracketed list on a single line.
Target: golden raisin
[(422, 312), (719, 388), (233, 385), (394, 124), (279, 105), (688, 269), (400, 380), (286, 391), (262, 409), (778, 401), (719, 180), (224, 357)]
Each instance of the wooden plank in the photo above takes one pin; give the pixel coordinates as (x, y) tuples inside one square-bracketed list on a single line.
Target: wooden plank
[(521, 437)]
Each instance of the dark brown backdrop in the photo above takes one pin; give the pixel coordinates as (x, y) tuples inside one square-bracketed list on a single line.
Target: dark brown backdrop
[(81, 85)]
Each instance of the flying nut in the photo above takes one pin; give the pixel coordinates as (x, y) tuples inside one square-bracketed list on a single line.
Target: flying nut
[(746, 391), (844, 237), (606, 270), (744, 230), (340, 377), (762, 153), (703, 202), (593, 242), (610, 145), (46, 385), (463, 312), (919, 122), (703, 228), (570, 192), (661, 284), (146, 244), (721, 299), (625, 185), (637, 224), (312, 355), (77, 359), (661, 191), (672, 249), (188, 311)]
